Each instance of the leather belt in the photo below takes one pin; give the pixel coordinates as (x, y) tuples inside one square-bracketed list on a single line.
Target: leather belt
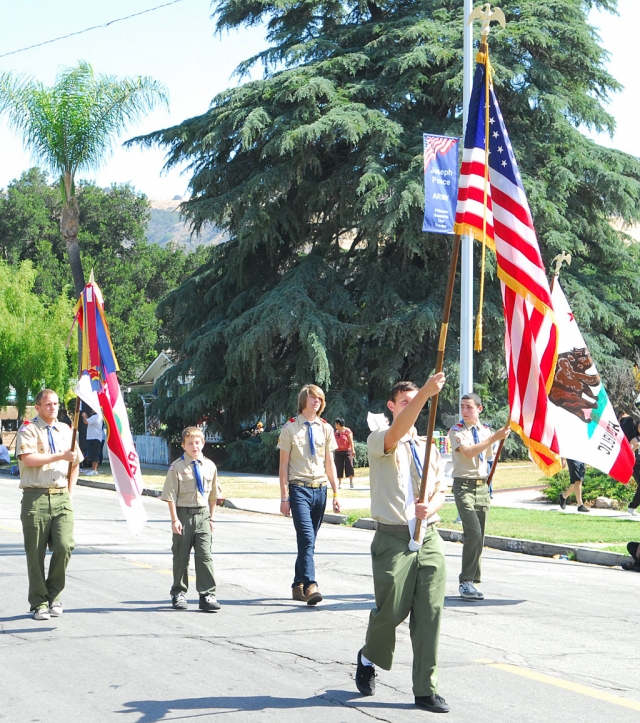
[(47, 490), (477, 482), (196, 510), (313, 485)]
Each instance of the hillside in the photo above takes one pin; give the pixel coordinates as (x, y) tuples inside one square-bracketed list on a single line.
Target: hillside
[(165, 226)]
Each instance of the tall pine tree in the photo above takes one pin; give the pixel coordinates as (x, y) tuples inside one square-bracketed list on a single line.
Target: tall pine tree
[(315, 172)]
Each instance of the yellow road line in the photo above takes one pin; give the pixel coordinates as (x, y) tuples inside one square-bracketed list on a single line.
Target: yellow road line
[(564, 684), (146, 566), (9, 529)]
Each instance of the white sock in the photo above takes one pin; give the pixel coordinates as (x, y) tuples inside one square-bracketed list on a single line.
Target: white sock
[(366, 661)]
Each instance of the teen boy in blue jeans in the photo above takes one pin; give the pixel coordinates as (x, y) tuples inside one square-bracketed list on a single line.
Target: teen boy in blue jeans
[(306, 447)]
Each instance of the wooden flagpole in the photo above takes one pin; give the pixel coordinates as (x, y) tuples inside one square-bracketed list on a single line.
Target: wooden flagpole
[(442, 343), (76, 421)]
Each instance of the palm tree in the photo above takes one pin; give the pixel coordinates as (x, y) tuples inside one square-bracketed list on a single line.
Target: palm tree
[(71, 127)]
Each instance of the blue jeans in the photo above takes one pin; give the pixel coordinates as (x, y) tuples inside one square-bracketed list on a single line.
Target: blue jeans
[(307, 509)]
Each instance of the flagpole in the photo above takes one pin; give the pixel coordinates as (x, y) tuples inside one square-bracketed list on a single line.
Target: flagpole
[(433, 407), (76, 422), (466, 253)]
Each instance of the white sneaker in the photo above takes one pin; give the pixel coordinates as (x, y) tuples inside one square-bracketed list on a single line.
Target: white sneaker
[(468, 591), (42, 613), (632, 511), (55, 609), (90, 473)]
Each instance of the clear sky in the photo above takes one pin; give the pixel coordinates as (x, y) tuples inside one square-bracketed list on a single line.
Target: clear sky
[(177, 46)]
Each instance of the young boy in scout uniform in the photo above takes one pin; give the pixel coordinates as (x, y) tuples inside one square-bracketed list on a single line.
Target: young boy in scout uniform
[(306, 447), (471, 445), (405, 581), (191, 489), (43, 449)]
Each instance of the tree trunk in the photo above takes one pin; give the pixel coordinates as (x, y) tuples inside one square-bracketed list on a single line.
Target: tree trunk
[(69, 225)]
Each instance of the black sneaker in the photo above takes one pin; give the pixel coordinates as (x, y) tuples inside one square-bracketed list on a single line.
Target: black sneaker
[(179, 601), (208, 603), (365, 677), (433, 703), (582, 508), (562, 501)]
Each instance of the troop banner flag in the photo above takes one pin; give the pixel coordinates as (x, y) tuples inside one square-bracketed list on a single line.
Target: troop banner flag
[(98, 381), (492, 207), (440, 182), (587, 427)]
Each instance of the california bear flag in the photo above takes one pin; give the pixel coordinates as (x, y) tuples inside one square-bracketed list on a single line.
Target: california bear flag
[(586, 425)]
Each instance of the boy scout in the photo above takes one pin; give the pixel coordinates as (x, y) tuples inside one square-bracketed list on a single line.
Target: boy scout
[(191, 489), (306, 447), (471, 444), (405, 582), (43, 449)]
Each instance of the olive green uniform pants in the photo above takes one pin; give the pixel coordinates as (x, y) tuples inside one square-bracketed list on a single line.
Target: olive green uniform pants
[(47, 520), (473, 502), (196, 534), (406, 583)]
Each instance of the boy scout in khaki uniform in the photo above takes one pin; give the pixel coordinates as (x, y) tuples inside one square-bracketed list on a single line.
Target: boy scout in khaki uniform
[(191, 489), (43, 449), (405, 581), (306, 447), (471, 444)]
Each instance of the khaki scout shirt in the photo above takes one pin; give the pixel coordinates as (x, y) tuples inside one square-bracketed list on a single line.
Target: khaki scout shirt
[(33, 439), (180, 484), (388, 475), (294, 438), (460, 434)]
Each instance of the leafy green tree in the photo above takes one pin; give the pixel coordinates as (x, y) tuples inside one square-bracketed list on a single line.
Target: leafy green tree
[(71, 127), (315, 173), (133, 274), (33, 336)]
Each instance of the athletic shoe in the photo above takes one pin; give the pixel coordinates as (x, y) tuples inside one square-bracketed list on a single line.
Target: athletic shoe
[(298, 594), (562, 501), (90, 473), (208, 603), (582, 508), (632, 511), (365, 677), (179, 601), (313, 595), (433, 703), (42, 613), (55, 609), (468, 591)]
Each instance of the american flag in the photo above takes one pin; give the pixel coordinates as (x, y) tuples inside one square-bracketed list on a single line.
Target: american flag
[(531, 339), (434, 145)]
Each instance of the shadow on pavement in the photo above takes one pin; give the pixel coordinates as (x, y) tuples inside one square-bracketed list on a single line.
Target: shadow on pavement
[(157, 710), (457, 602)]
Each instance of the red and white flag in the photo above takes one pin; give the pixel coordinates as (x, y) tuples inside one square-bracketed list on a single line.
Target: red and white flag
[(492, 207), (98, 381)]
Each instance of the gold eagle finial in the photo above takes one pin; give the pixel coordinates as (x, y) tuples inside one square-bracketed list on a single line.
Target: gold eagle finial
[(559, 260), (487, 16)]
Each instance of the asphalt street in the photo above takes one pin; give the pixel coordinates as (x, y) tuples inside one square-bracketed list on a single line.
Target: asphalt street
[(553, 641)]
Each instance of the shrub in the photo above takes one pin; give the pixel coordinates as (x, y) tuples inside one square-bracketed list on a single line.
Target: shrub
[(361, 458), (596, 484), (257, 454)]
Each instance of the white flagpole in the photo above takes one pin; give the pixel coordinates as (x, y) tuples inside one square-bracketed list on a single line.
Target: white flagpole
[(466, 249)]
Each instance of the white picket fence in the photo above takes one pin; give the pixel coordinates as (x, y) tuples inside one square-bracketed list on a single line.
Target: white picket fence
[(152, 450)]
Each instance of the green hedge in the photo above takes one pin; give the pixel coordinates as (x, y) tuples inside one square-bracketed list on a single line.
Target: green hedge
[(596, 484)]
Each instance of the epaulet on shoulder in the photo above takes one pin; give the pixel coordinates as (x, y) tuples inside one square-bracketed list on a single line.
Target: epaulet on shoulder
[(325, 422), (457, 427), (488, 426), (291, 419)]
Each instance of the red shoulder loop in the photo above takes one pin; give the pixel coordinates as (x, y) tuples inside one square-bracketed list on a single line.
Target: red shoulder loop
[(291, 419)]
